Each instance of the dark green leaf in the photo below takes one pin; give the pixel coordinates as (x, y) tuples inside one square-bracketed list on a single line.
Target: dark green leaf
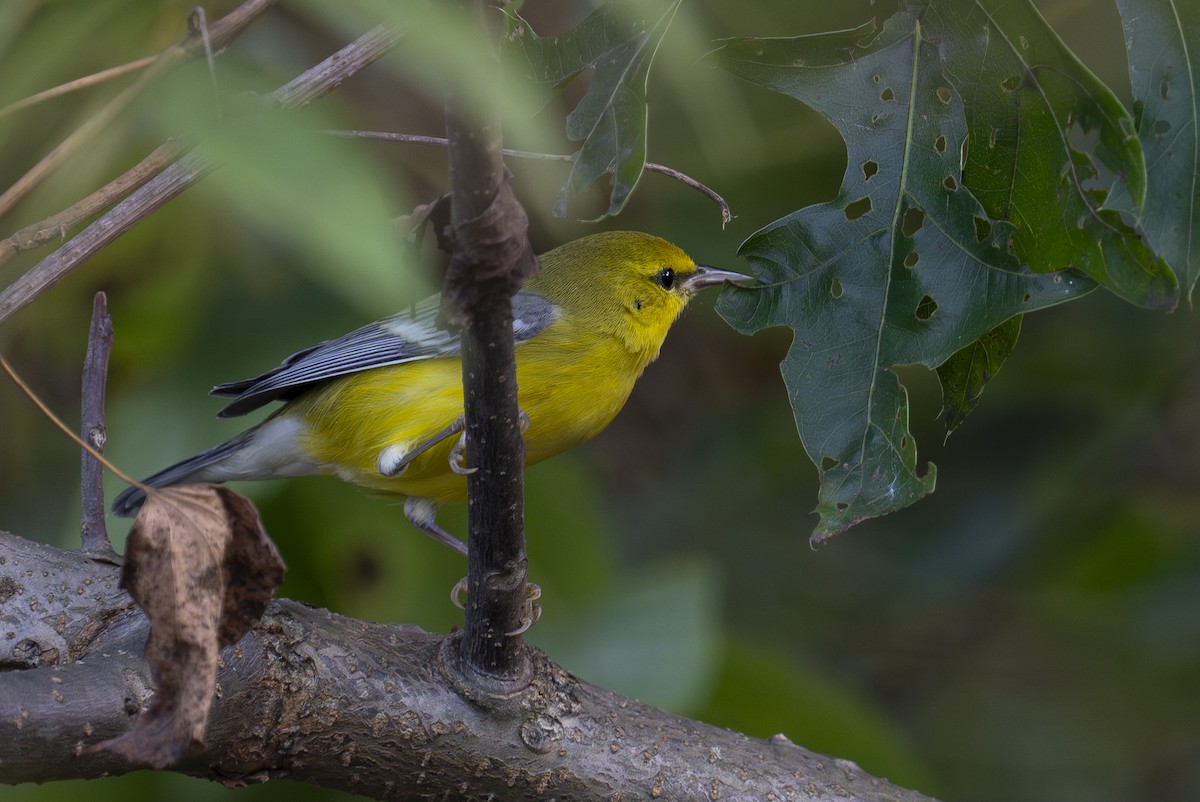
[(617, 42), (1161, 38), (965, 373), (1049, 144), (903, 267)]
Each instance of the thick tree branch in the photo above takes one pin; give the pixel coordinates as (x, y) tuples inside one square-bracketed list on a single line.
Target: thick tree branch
[(369, 708), (491, 256)]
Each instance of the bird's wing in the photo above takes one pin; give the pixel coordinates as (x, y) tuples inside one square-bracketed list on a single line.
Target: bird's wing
[(406, 337)]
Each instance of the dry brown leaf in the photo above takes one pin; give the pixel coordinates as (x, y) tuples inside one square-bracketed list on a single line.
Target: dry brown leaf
[(202, 568)]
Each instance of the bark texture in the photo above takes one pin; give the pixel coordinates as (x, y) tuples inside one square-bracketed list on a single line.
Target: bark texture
[(491, 255), (380, 710)]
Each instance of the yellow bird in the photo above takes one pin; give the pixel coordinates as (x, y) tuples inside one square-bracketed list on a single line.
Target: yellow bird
[(382, 406)]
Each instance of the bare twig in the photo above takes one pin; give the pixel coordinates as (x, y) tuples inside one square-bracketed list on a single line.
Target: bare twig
[(313, 83), (441, 142), (85, 82), (223, 31), (38, 234), (684, 178), (154, 194), (84, 133), (330, 73), (91, 473)]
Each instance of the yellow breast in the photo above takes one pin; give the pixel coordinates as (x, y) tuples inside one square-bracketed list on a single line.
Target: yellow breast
[(569, 389)]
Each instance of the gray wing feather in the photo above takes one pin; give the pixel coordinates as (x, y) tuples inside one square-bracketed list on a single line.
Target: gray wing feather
[(406, 337), (128, 502)]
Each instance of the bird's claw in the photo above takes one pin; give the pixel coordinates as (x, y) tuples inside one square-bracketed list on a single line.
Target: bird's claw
[(458, 457), (458, 592), (458, 454), (533, 610)]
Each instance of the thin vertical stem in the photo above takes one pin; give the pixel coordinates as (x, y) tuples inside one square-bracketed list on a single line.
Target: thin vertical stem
[(91, 472), (491, 256)]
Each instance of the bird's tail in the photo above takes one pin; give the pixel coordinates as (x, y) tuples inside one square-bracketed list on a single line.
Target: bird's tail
[(188, 471)]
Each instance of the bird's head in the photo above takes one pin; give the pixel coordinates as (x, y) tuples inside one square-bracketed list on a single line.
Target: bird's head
[(626, 283)]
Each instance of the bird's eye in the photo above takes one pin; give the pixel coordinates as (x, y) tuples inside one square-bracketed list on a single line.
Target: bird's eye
[(665, 278)]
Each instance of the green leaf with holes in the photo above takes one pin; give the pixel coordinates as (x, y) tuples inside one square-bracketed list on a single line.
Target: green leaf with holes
[(617, 42), (1162, 40), (903, 267), (1051, 149), (965, 373)]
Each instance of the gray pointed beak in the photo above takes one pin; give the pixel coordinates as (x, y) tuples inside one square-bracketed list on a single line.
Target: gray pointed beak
[(706, 276)]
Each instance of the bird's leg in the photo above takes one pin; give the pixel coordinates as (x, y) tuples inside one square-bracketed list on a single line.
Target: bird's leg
[(395, 459), (458, 455), (422, 513)]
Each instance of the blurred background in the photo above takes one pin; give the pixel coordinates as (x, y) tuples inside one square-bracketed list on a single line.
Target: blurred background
[(1029, 632)]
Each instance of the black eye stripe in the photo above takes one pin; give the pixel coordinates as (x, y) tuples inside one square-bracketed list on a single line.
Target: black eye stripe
[(665, 278)]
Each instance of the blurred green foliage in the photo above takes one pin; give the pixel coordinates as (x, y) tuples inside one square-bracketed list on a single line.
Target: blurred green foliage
[(1030, 632)]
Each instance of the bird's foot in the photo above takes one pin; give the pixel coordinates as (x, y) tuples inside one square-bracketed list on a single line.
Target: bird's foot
[(458, 457), (533, 610)]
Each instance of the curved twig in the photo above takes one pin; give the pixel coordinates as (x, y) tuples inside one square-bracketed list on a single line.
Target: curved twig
[(57, 421), (441, 142)]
